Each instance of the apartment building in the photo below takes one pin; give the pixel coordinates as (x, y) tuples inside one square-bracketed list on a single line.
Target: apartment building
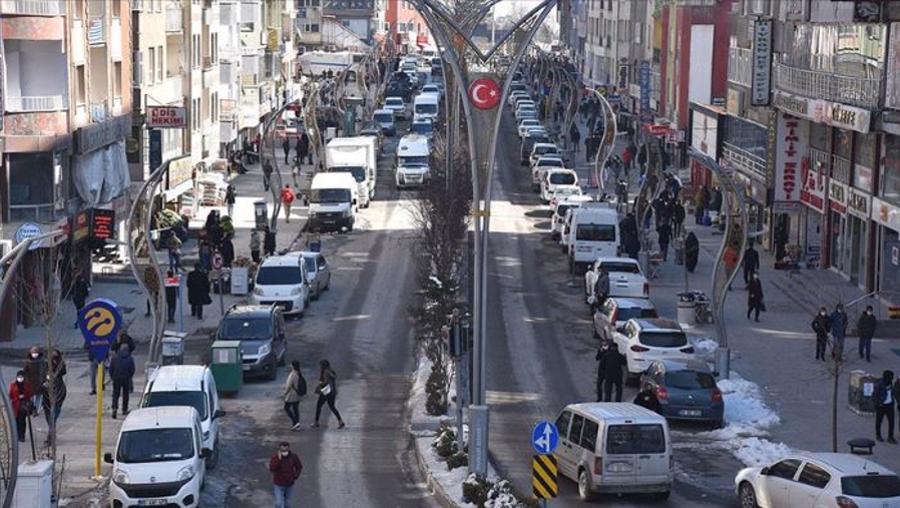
[(407, 27), (229, 75), (358, 15), (309, 24)]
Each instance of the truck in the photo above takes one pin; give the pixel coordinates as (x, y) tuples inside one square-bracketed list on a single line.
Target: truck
[(359, 157)]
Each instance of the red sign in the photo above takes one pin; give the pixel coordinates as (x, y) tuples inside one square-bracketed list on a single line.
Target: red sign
[(166, 117), (103, 223), (484, 93), (81, 226), (421, 40), (173, 282)]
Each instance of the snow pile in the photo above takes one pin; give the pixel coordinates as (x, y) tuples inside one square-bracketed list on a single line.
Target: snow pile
[(754, 451), (501, 496), (705, 346)]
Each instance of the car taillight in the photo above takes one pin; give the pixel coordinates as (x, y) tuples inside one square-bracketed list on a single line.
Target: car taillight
[(661, 393), (639, 349), (845, 502), (687, 350), (646, 289), (716, 396), (598, 465)]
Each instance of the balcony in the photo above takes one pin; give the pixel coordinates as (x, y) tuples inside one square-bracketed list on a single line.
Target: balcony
[(173, 89), (174, 20), (36, 103), (96, 35), (862, 92), (739, 65), (744, 159), (33, 7), (99, 111)]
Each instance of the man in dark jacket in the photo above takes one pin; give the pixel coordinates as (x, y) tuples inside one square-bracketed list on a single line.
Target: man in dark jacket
[(269, 242), (750, 263), (601, 352), (821, 325), (612, 365), (691, 251), (646, 398), (198, 291), (665, 235), (285, 467), (121, 370), (754, 297), (866, 328), (80, 290), (838, 320), (171, 299), (303, 148), (884, 404)]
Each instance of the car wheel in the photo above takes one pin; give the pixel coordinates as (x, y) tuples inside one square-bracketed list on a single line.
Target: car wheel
[(214, 459), (584, 486), (747, 496), (661, 496), (328, 283), (717, 424)]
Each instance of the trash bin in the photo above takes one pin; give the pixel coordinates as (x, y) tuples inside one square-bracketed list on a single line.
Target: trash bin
[(260, 214), (227, 365), (861, 393), (687, 312), (173, 348)]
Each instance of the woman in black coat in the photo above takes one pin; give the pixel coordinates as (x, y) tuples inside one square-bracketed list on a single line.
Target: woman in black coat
[(198, 291), (754, 296), (691, 251)]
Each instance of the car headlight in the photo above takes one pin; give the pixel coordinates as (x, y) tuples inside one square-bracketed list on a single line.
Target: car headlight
[(345, 213), (258, 291), (185, 474), (120, 476), (295, 291), (264, 350)]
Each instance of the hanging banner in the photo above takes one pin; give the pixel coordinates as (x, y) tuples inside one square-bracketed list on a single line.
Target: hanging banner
[(812, 194), (761, 77), (791, 148)]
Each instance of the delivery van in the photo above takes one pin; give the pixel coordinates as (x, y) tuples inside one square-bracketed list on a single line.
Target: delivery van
[(359, 157), (333, 202), (427, 105), (593, 232), (413, 156)]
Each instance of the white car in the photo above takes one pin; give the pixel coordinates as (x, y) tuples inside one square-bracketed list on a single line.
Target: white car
[(625, 278), (542, 149), (318, 273), (282, 280), (514, 95), (554, 178), (432, 88), (559, 213), (542, 165), (397, 106), (526, 123), (525, 111), (819, 480), (563, 192), (644, 340)]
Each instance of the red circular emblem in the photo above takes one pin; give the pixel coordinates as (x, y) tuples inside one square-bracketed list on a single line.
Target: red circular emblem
[(484, 93)]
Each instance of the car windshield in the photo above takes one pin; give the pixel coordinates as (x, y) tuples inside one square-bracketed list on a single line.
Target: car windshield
[(384, 117), (196, 400), (155, 445), (690, 380), (278, 276), (627, 313), (391, 101), (596, 232), (562, 178), (233, 328), (423, 128), (329, 196), (634, 439), (881, 485), (543, 150), (359, 173), (412, 160), (554, 163), (663, 339), (429, 109), (540, 138), (620, 267)]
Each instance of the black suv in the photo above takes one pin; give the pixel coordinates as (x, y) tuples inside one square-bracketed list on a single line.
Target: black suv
[(260, 328)]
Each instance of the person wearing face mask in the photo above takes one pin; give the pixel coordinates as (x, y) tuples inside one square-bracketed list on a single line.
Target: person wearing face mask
[(821, 325), (20, 396), (35, 372), (285, 467), (866, 328)]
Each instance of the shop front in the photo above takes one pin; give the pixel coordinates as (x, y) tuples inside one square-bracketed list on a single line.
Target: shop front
[(857, 235), (791, 156), (886, 217), (838, 246), (704, 128), (812, 217)]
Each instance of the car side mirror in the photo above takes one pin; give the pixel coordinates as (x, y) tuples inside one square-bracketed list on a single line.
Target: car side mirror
[(108, 458), (764, 471), (218, 414), (322, 268), (353, 201), (205, 453)]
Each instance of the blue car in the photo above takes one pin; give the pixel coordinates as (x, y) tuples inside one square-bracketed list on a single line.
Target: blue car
[(686, 390)]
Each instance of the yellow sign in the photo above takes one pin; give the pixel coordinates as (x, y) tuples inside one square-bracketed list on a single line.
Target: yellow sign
[(100, 321), (543, 476)]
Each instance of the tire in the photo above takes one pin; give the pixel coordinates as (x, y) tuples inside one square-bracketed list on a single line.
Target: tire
[(214, 460), (747, 496), (584, 486), (328, 283), (662, 496)]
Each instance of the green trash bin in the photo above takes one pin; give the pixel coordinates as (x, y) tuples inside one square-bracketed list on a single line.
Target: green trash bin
[(227, 366)]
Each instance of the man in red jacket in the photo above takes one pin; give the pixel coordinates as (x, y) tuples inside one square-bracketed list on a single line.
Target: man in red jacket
[(285, 467), (287, 198)]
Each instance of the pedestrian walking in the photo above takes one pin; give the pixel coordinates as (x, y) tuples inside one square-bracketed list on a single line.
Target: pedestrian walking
[(327, 391), (20, 395), (205, 253), (575, 136), (303, 148), (35, 372), (171, 298), (665, 234), (750, 263), (755, 301), (286, 146), (822, 326), (173, 246), (54, 388), (230, 198), (287, 199), (226, 249), (269, 242), (95, 363), (838, 321), (601, 351), (700, 206), (121, 370), (612, 365), (285, 467), (601, 289), (691, 251), (627, 157), (884, 397), (255, 245), (647, 398), (198, 291), (267, 174), (677, 217), (123, 341), (866, 329), (80, 291), (294, 391)]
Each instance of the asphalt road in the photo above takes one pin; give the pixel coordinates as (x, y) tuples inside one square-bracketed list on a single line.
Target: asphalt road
[(541, 352), (361, 326)]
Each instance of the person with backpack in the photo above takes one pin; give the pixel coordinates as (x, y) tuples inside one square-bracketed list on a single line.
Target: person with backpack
[(287, 198), (294, 391)]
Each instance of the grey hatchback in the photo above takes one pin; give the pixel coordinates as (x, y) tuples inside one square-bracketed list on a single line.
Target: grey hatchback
[(686, 390)]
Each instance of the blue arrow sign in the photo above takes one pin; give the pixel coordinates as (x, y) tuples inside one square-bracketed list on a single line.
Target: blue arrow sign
[(544, 438)]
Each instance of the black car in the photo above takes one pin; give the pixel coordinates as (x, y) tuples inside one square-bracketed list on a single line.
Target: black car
[(260, 329)]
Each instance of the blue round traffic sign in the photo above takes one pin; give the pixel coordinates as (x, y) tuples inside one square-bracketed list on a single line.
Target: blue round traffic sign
[(544, 438), (99, 321)]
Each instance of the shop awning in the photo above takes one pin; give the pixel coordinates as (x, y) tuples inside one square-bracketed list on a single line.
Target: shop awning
[(101, 175)]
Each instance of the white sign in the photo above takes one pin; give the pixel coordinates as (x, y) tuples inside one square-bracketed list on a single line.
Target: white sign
[(858, 203), (761, 77), (704, 133), (790, 151), (886, 214), (26, 231), (812, 194), (821, 111), (166, 117)]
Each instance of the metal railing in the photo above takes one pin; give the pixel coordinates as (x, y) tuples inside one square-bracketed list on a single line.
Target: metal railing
[(739, 66), (36, 103), (96, 33), (45, 212), (99, 111), (743, 159), (33, 7), (174, 19), (856, 91)]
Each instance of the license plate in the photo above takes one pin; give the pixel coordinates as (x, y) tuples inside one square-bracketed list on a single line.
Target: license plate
[(690, 412), (153, 502)]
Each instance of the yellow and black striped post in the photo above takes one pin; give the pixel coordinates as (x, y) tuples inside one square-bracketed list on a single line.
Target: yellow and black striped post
[(543, 476)]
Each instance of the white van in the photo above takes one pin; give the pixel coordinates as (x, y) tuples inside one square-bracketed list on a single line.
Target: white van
[(554, 178), (283, 281), (427, 105), (333, 202), (593, 232), (357, 156), (193, 386), (413, 154), (159, 460), (557, 220), (615, 447)]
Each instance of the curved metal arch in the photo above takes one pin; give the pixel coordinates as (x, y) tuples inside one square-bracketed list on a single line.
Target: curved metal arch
[(608, 144)]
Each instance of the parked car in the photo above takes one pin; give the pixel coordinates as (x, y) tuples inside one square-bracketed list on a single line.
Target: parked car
[(514, 96), (525, 110), (282, 280), (193, 386), (814, 480), (556, 178), (625, 278), (539, 150), (318, 272), (528, 143), (686, 390), (158, 460), (615, 311), (644, 340), (260, 330), (526, 123), (614, 447), (563, 192), (542, 165), (397, 106)]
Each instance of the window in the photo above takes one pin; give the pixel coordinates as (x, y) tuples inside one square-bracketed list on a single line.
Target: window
[(633, 439), (195, 114), (117, 79), (663, 339), (814, 476), (214, 107), (785, 469), (80, 90), (155, 445), (596, 232), (689, 380), (589, 435), (214, 47), (195, 51), (159, 64), (575, 432), (151, 76), (879, 486)]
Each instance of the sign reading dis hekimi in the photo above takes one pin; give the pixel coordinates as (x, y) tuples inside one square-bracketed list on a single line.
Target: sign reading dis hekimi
[(166, 117)]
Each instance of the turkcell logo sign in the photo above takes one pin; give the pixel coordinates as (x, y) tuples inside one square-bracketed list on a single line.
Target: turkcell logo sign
[(544, 438), (644, 82)]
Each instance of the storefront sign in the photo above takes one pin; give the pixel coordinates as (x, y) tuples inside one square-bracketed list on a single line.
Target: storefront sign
[(180, 171), (826, 112), (761, 77), (81, 226), (792, 104), (837, 196), (98, 135), (812, 194), (103, 224), (166, 117), (858, 203), (704, 133), (886, 214), (644, 83), (790, 151), (29, 230)]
